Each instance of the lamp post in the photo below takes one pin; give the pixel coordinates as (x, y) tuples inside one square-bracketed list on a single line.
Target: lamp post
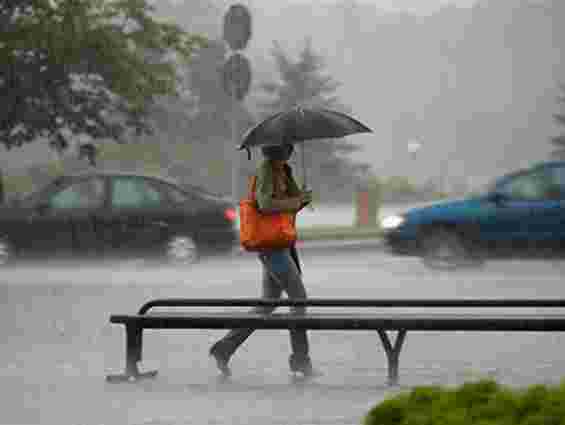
[(414, 147)]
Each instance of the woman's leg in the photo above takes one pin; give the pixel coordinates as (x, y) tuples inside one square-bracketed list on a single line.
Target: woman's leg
[(282, 269), (223, 349)]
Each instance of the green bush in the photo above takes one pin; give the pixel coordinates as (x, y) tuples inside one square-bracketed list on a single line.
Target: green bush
[(17, 186), (398, 184), (476, 403)]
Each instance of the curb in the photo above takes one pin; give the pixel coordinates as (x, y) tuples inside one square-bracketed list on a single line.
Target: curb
[(339, 244), (334, 244)]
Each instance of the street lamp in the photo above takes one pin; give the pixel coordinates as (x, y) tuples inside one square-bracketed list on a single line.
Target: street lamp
[(413, 147)]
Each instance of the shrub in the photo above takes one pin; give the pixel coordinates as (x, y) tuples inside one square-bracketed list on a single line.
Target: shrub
[(17, 186), (398, 184), (478, 403)]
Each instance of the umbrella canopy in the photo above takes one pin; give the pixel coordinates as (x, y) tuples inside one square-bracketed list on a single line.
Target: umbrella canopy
[(300, 124)]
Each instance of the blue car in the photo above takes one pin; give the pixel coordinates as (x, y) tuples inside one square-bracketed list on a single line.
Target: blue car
[(520, 214)]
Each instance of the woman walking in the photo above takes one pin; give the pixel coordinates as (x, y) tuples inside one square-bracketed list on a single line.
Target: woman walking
[(276, 191)]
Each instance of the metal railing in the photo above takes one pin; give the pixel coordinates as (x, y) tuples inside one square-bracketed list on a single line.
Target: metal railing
[(351, 302)]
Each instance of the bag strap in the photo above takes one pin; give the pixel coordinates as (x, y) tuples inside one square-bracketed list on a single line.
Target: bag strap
[(252, 187)]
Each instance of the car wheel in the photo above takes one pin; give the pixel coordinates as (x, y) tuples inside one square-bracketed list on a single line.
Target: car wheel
[(181, 250), (7, 253), (444, 250)]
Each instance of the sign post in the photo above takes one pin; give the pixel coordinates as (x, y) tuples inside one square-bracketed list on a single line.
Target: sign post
[(236, 75)]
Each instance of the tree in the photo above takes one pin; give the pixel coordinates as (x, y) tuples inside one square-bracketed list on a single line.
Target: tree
[(215, 106), (93, 67), (205, 134), (559, 141), (302, 82)]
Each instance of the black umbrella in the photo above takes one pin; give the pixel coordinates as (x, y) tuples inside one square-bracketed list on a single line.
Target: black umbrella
[(300, 124)]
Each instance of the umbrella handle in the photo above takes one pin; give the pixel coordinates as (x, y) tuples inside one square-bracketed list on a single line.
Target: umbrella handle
[(304, 184), (305, 189)]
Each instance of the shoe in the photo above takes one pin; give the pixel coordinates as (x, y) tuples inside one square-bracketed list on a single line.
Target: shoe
[(312, 373), (221, 361), (302, 376), (308, 372), (303, 367)]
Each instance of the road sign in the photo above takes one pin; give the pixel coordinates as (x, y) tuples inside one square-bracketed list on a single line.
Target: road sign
[(236, 76), (237, 26), (236, 72)]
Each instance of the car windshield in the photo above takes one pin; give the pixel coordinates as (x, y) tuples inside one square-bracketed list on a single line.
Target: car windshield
[(490, 186), (496, 183)]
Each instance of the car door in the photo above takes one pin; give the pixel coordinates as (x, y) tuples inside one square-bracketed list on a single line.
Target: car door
[(136, 214), (506, 218), (525, 198), (62, 223), (548, 221)]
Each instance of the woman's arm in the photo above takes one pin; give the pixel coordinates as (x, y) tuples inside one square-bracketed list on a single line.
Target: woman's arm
[(264, 194), (294, 190)]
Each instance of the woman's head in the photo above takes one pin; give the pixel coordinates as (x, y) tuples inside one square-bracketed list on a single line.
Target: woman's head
[(277, 152)]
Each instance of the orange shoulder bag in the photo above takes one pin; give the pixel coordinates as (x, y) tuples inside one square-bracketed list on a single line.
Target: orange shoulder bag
[(259, 231)]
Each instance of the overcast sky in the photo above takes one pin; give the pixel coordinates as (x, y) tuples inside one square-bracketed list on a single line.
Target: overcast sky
[(418, 6), (391, 4)]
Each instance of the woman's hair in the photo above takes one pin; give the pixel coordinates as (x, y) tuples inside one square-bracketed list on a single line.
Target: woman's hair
[(277, 152)]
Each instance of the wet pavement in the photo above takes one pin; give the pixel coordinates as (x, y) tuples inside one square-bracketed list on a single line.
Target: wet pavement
[(57, 344)]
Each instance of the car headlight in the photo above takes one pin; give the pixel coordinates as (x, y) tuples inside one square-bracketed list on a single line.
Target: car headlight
[(392, 222)]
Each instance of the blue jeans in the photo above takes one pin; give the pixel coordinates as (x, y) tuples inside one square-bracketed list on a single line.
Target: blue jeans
[(280, 273)]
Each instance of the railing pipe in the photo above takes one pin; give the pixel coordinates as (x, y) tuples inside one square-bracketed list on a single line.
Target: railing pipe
[(350, 302)]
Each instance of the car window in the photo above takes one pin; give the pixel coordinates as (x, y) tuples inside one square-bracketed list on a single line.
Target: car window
[(83, 194), (134, 192), (559, 181), (531, 186)]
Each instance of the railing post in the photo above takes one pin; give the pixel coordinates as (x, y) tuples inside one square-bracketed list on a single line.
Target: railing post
[(133, 349), (134, 342)]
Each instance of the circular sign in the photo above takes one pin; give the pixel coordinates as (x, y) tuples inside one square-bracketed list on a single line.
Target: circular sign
[(236, 76), (237, 26)]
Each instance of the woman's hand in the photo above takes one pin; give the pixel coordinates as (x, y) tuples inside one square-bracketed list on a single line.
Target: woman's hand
[(306, 197)]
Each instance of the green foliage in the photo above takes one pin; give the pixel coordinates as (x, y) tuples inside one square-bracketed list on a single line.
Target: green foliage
[(17, 185), (217, 167), (146, 156), (559, 141), (214, 105), (90, 67), (398, 184), (376, 185), (303, 82), (134, 152), (474, 403)]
